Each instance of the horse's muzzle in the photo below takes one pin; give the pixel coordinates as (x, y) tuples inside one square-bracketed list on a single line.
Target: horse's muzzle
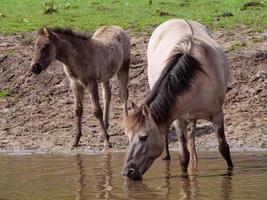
[(36, 68), (132, 174)]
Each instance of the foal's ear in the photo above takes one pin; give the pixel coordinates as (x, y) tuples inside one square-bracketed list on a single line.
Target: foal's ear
[(146, 111), (48, 33)]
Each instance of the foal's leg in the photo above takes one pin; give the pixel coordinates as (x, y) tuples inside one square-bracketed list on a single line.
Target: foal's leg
[(167, 157), (78, 92), (93, 89), (123, 77), (181, 129), (192, 148), (218, 123), (106, 94)]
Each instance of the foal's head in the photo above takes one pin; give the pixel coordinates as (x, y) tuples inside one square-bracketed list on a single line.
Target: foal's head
[(45, 50), (145, 143)]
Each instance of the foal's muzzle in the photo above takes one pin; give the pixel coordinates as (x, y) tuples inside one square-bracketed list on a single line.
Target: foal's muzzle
[(36, 68)]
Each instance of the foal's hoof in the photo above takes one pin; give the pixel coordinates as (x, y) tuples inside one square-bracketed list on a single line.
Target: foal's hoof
[(106, 126), (166, 158), (74, 145), (107, 144), (103, 137)]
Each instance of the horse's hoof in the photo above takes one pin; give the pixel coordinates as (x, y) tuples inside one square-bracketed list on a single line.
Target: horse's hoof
[(166, 158), (107, 145)]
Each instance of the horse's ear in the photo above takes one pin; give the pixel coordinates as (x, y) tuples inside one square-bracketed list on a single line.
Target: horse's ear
[(146, 111), (48, 33), (133, 105)]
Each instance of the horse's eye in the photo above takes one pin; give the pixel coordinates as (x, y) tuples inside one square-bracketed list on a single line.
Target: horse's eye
[(46, 47), (143, 138)]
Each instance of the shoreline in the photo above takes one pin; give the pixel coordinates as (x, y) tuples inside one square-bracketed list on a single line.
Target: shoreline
[(38, 115)]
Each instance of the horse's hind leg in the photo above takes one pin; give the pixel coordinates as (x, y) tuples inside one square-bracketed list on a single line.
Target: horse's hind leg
[(78, 92), (192, 148), (106, 93), (181, 129), (123, 77), (218, 123), (93, 90)]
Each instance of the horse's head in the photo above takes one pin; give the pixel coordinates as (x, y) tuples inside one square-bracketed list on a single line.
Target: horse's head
[(145, 143), (45, 50)]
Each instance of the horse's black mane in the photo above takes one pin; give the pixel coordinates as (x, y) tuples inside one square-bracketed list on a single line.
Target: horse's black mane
[(175, 79), (67, 32)]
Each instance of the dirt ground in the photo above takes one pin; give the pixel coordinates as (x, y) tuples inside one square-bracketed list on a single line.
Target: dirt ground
[(38, 115)]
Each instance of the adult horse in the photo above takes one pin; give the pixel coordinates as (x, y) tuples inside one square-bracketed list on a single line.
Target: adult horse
[(189, 73), (88, 60)]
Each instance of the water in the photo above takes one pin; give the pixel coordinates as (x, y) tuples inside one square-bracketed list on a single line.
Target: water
[(61, 177)]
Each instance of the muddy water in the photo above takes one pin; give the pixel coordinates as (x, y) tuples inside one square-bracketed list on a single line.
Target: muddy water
[(84, 177)]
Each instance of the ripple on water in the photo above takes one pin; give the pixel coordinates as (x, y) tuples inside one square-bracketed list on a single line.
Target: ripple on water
[(83, 177)]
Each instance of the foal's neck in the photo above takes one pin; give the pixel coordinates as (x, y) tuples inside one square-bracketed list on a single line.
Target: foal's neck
[(65, 52)]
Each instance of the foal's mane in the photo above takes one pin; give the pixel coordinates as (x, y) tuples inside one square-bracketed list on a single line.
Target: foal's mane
[(67, 32), (176, 79)]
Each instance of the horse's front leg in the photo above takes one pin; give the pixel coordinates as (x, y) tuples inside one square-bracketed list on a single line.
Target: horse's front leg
[(106, 93), (181, 131), (93, 90), (78, 92), (167, 157)]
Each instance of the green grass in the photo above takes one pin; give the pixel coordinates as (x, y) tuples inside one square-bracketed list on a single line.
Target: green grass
[(3, 93), (237, 45), (27, 15)]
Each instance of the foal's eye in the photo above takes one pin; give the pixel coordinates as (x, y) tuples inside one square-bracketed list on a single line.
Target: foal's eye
[(45, 48), (143, 138)]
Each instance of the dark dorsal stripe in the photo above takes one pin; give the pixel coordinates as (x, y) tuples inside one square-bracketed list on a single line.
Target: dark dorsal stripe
[(175, 79)]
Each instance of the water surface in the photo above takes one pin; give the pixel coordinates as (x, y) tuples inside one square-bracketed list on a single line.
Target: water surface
[(84, 177)]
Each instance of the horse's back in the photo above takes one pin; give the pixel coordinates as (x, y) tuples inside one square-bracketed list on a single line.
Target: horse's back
[(166, 37), (113, 36), (208, 90)]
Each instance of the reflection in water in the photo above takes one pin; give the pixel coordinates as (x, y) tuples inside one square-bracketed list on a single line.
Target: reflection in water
[(140, 190), (81, 175), (167, 181), (104, 179), (189, 187), (98, 177), (226, 185)]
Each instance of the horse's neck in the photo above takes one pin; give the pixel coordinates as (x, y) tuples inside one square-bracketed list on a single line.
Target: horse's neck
[(65, 52)]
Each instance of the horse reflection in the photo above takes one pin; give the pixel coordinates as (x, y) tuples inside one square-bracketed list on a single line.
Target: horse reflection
[(103, 178), (189, 188), (140, 190), (226, 185), (167, 180), (81, 175)]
